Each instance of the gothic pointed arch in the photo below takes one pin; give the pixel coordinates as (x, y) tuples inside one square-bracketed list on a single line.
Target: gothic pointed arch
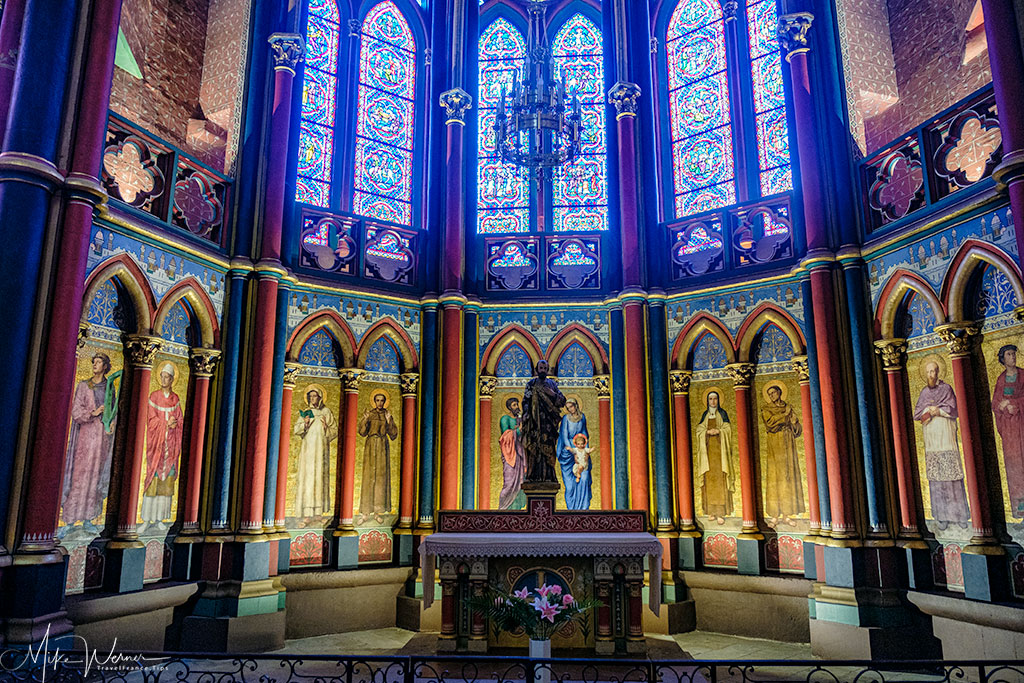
[(189, 290), (689, 337), (577, 334), (513, 334), (755, 322), (389, 329), (334, 325), (901, 285), (123, 270), (972, 255)]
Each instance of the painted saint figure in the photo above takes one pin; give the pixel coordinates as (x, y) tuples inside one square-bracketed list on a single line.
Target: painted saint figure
[(513, 460), (714, 459), (318, 429), (1008, 406), (378, 426), (936, 411), (87, 468), (574, 423), (541, 407), (163, 452), (783, 495)]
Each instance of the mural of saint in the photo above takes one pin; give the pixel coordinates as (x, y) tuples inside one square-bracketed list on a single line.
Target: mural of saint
[(513, 460), (937, 413), (318, 428), (714, 459), (577, 490), (90, 448), (1008, 406), (378, 426), (783, 495), (541, 403), (163, 452)]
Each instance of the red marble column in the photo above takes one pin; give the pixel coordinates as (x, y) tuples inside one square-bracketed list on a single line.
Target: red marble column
[(203, 362), (960, 339), (623, 97), (684, 454), (291, 371), (140, 351), (1007, 62), (636, 403), (743, 377), (451, 394), (455, 102), (347, 469), (483, 466), (811, 464), (604, 421), (84, 192), (410, 383)]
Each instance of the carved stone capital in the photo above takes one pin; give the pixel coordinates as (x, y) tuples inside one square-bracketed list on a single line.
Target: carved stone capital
[(793, 29), (487, 386), (456, 102), (351, 377), (203, 362), (410, 382), (893, 353), (801, 368), (624, 96), (959, 337), (83, 335), (680, 381), (603, 385), (1019, 312), (742, 374), (291, 374), (729, 9), (286, 50), (141, 349)]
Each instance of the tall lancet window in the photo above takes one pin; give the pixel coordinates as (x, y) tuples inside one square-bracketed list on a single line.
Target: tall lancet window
[(319, 101), (382, 185), (769, 98)]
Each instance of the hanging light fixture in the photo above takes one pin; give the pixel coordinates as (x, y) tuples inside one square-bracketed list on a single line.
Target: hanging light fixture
[(537, 127)]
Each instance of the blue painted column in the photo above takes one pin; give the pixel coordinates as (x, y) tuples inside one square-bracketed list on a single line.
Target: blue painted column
[(819, 430), (428, 412), (620, 443), (28, 179), (658, 353), (470, 346), (224, 455), (276, 392)]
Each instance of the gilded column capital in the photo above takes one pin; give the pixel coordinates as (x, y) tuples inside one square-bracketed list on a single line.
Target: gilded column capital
[(456, 102), (742, 374), (286, 50), (83, 335), (730, 9), (351, 377), (291, 374), (959, 337), (203, 362), (487, 386), (603, 385), (141, 349), (623, 95), (893, 353), (1019, 312), (793, 29), (680, 381), (410, 382), (801, 368)]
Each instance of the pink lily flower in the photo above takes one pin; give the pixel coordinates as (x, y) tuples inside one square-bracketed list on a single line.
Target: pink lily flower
[(567, 600), (522, 594), (545, 589), (549, 611), (555, 590)]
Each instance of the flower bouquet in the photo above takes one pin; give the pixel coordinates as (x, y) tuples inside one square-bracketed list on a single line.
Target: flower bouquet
[(540, 613)]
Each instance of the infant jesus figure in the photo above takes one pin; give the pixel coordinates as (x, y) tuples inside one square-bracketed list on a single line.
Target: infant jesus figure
[(581, 454)]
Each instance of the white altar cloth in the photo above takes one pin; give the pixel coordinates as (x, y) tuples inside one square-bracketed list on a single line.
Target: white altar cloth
[(541, 545)]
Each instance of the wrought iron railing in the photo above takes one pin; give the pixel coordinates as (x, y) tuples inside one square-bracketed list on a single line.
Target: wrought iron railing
[(151, 175), (156, 667), (946, 154)]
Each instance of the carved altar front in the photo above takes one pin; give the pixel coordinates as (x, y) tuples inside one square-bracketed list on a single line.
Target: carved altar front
[(589, 553)]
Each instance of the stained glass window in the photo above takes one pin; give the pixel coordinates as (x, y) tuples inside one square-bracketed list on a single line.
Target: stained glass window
[(384, 127), (699, 110), (319, 95), (580, 197), (769, 100), (503, 198)]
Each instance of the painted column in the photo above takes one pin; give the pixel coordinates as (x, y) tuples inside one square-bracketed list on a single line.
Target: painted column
[(470, 368), (620, 450), (810, 461), (793, 29), (291, 372), (660, 414), (410, 383), (818, 431), (894, 362), (428, 419), (140, 351), (203, 364), (451, 396), (623, 96), (684, 454), (347, 468), (1004, 56), (604, 421), (84, 192), (272, 475), (11, 21), (742, 375), (456, 102), (483, 486), (287, 51)]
